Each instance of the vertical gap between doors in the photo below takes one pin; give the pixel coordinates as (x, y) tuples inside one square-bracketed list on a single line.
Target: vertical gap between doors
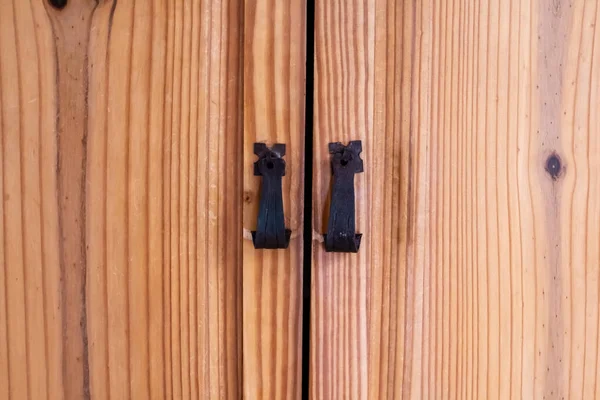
[(308, 180)]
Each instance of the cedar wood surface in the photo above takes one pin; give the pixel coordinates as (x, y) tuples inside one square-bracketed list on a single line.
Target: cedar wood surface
[(274, 71), (478, 273), (121, 182), (124, 170)]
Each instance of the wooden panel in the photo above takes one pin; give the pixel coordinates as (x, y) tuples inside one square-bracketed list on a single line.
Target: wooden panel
[(32, 314), (478, 272), (122, 192), (163, 147), (274, 67)]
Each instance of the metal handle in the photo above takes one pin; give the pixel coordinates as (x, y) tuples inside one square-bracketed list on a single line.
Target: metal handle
[(271, 232), (345, 162)]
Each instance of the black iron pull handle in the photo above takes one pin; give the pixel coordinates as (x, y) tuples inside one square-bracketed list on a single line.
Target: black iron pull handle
[(341, 230), (271, 232)]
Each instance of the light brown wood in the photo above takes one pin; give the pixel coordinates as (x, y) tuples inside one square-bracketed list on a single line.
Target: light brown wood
[(43, 253), (478, 272), (122, 190), (274, 71)]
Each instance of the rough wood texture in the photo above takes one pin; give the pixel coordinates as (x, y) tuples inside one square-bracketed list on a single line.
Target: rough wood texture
[(478, 272), (274, 65), (121, 184)]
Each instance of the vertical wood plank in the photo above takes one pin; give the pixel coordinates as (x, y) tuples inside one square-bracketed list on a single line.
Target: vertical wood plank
[(168, 98), (121, 199), (477, 276), (344, 51), (274, 71), (49, 356)]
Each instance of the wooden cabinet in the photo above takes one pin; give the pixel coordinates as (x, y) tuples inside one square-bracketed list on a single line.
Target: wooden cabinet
[(127, 268)]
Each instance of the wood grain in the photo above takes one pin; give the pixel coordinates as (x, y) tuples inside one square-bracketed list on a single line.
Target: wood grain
[(478, 272), (43, 256), (274, 71), (121, 212)]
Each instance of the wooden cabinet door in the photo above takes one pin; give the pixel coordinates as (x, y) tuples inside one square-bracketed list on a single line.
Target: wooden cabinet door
[(477, 275), (128, 195), (127, 187), (121, 246), (274, 72)]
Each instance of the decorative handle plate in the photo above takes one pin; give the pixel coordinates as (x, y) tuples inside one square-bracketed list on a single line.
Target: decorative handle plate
[(345, 162), (271, 232)]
